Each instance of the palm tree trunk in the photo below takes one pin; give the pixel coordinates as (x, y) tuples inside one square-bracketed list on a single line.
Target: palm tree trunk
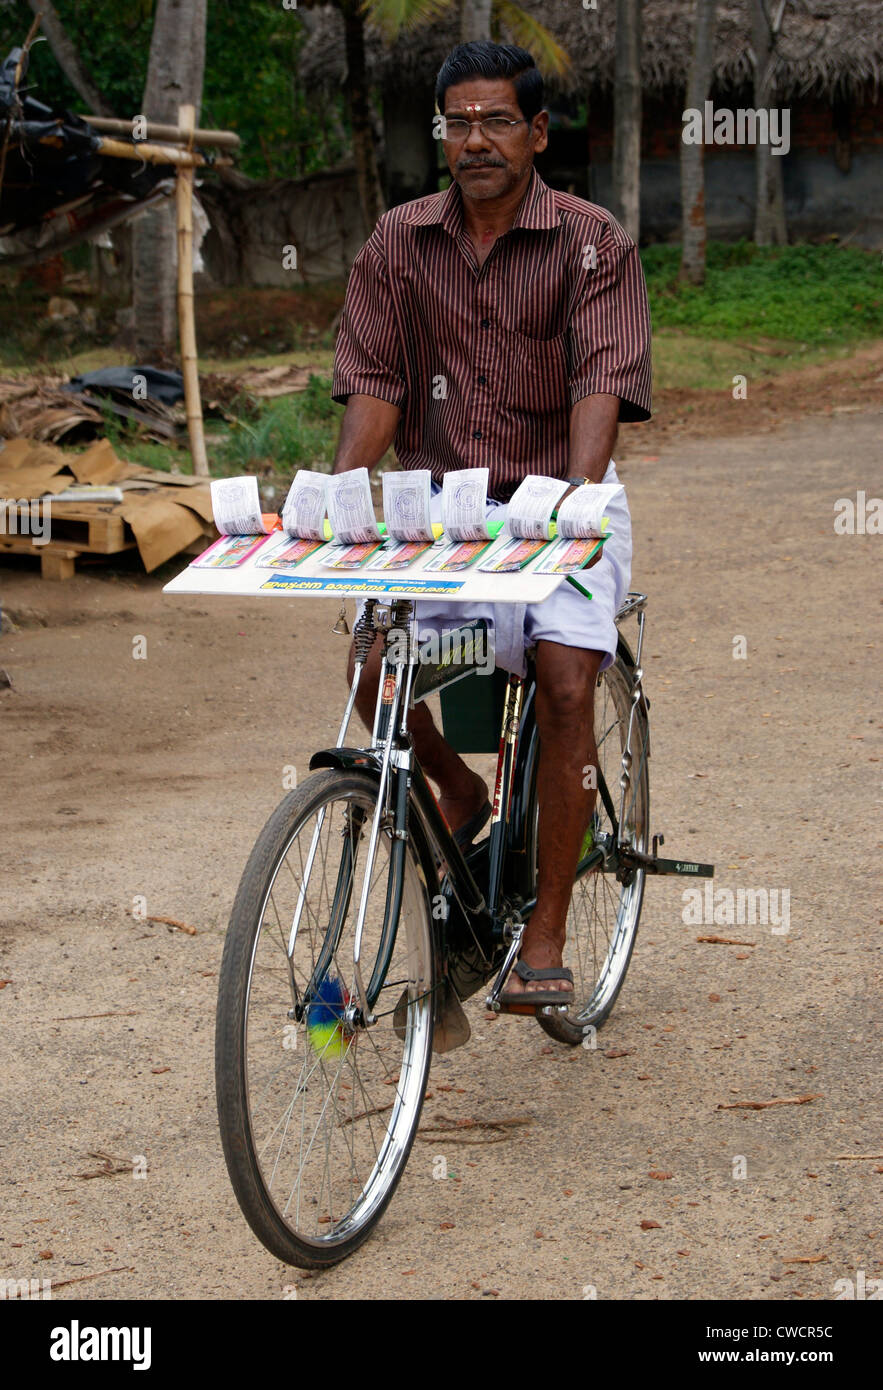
[(693, 155), (174, 78), (769, 212), (627, 117), (475, 20), (367, 173)]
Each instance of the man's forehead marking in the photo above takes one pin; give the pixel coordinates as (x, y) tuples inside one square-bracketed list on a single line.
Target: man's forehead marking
[(473, 106)]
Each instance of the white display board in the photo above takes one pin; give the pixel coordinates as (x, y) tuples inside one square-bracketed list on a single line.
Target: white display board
[(310, 578)]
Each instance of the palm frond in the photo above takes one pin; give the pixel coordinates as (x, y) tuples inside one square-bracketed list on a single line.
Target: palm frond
[(394, 17), (529, 33)]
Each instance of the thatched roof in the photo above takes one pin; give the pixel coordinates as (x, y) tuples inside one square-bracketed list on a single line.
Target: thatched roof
[(826, 47)]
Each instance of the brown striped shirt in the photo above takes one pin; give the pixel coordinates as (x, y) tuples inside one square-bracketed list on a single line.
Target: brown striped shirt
[(486, 363)]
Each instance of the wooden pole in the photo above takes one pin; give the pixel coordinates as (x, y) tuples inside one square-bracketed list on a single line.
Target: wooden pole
[(186, 317), (144, 153), (223, 139)]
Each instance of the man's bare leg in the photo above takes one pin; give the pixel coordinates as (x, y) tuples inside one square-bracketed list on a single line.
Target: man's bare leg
[(566, 679), (462, 791)]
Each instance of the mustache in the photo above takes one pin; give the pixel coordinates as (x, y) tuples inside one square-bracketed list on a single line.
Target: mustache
[(480, 164)]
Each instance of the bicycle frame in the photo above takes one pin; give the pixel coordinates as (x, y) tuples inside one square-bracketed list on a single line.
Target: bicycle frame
[(498, 912), (401, 783), (494, 911)]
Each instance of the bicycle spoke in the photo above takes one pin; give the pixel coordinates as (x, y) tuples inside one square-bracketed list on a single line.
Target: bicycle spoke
[(329, 1134), (603, 913)]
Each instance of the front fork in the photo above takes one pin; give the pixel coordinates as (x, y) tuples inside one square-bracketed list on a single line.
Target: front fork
[(389, 739)]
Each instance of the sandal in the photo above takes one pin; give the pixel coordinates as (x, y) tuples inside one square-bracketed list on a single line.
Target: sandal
[(528, 1003)]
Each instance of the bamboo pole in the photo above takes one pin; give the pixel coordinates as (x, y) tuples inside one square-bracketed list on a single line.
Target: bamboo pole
[(146, 153), (222, 139), (186, 317)]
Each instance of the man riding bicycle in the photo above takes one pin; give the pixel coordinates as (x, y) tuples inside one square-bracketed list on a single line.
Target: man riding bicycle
[(502, 324)]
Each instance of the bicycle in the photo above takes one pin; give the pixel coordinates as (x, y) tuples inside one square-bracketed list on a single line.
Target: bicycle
[(359, 926)]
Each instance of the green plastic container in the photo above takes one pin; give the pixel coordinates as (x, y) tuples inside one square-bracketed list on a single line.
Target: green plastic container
[(472, 712)]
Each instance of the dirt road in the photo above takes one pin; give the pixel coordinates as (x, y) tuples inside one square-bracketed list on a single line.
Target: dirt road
[(142, 783)]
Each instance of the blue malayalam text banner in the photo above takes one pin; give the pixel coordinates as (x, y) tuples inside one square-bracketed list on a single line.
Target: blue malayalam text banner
[(363, 586)]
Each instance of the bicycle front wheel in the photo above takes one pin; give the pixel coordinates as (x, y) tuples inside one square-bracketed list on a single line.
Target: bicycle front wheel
[(602, 919), (317, 1112)]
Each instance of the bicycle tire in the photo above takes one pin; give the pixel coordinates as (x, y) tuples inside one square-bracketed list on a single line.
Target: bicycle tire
[(296, 1240)]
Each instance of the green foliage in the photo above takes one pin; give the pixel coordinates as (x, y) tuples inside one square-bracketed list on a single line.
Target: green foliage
[(393, 17), (252, 87), (112, 41), (316, 400), (811, 294), (532, 34), (271, 438), (251, 83), (291, 432)]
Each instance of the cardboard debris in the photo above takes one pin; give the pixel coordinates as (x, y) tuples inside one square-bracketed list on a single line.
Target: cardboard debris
[(162, 528), (14, 388), (221, 388), (46, 413), (15, 452), (40, 409), (275, 381), (197, 499), (165, 513), (30, 481), (99, 464)]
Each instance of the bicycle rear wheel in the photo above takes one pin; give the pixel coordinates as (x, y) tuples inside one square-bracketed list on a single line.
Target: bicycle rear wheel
[(317, 1114), (602, 919)]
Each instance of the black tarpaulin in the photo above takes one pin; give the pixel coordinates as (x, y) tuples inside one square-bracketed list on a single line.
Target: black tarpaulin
[(58, 189)]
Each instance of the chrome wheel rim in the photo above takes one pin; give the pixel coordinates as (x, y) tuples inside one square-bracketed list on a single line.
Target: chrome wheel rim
[(333, 1108)]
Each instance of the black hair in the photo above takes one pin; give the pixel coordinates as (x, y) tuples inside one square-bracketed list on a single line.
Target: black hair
[(482, 58)]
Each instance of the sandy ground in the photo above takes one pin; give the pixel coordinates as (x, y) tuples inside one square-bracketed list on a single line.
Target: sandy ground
[(149, 779)]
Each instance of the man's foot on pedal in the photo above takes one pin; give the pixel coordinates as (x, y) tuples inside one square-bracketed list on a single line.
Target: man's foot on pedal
[(537, 979)]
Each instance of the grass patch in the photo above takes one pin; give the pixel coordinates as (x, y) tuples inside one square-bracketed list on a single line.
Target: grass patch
[(148, 453), (689, 362), (301, 357), (269, 438), (290, 432), (816, 295)]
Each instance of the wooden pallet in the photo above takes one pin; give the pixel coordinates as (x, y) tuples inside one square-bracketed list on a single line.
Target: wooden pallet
[(75, 530), (100, 530)]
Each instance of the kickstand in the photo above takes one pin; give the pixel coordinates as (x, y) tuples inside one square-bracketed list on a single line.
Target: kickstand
[(492, 1001)]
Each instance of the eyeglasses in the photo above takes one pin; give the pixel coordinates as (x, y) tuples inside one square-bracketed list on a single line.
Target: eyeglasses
[(494, 127)]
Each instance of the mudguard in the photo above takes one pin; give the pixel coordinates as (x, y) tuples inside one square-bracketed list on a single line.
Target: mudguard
[(350, 759)]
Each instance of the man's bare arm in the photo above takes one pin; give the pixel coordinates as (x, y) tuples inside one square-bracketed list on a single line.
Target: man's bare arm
[(366, 432), (593, 428)]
